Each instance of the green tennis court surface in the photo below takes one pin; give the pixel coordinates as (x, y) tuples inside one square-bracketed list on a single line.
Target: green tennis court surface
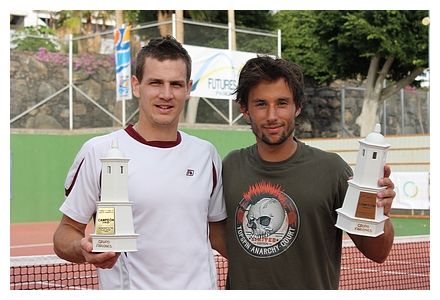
[(411, 226), (39, 164)]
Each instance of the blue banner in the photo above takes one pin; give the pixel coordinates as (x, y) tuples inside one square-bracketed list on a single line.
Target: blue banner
[(123, 63)]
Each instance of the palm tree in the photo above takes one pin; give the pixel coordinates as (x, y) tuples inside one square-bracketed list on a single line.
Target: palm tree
[(179, 26), (231, 20), (163, 16), (119, 15)]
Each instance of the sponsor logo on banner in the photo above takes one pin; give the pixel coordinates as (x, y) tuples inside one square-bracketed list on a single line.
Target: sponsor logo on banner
[(412, 190), (215, 71), (123, 63)]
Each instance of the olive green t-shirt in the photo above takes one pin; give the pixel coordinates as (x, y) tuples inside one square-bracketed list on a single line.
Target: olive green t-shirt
[(281, 230)]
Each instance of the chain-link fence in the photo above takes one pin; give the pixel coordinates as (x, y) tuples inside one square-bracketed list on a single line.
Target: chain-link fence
[(73, 85), (405, 112)]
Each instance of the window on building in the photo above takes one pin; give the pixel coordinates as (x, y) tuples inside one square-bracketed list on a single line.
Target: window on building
[(374, 155), (122, 169), (109, 169), (363, 152)]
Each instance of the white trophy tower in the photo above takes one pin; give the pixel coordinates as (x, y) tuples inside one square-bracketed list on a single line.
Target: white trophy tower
[(359, 213), (114, 230)]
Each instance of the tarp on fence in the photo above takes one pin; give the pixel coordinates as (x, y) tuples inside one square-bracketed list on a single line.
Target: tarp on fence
[(215, 71), (412, 190)]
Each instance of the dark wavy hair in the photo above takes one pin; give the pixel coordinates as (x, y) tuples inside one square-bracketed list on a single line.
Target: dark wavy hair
[(162, 49), (266, 68)]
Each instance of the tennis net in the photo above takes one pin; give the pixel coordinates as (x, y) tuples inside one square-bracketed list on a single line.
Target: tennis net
[(407, 267)]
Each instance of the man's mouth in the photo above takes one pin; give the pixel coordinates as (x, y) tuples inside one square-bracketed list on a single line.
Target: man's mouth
[(273, 128), (164, 107)]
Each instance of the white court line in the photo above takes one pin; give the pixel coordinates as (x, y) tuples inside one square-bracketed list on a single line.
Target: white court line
[(407, 262), (47, 284), (391, 262), (387, 272), (31, 245)]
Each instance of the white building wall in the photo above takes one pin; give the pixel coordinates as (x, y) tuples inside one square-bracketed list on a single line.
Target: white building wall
[(408, 153)]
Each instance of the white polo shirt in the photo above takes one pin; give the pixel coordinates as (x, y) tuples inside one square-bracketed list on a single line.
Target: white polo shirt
[(176, 189)]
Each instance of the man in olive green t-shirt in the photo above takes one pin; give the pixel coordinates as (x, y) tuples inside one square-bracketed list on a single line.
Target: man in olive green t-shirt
[(281, 195)]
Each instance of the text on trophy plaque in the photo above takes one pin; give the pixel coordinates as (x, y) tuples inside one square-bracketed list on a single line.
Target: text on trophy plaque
[(366, 207), (105, 222)]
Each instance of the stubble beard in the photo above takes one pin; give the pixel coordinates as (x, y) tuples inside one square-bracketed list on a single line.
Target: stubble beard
[(285, 135)]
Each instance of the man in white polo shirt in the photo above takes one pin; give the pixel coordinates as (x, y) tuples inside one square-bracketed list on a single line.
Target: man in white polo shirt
[(174, 182)]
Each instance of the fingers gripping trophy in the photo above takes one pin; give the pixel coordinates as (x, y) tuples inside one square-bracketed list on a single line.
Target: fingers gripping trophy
[(359, 213), (114, 229)]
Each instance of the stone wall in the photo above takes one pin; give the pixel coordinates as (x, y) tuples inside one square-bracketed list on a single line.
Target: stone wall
[(37, 76), (321, 114)]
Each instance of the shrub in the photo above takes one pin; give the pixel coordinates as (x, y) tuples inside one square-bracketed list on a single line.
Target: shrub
[(33, 38)]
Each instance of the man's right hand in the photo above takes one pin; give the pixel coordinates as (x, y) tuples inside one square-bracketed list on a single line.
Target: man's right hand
[(103, 260)]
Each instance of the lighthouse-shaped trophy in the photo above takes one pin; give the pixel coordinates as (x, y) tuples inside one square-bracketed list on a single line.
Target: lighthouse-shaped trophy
[(114, 230), (359, 213)]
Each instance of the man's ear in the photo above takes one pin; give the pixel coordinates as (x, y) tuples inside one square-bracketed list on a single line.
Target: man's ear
[(243, 109), (135, 85), (245, 113), (189, 87), (298, 111)]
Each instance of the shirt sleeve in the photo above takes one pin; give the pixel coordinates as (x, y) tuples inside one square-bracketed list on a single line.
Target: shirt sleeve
[(217, 208), (346, 174), (82, 187)]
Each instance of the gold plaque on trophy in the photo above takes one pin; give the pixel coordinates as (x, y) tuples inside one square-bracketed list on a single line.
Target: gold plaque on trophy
[(105, 221), (366, 207)]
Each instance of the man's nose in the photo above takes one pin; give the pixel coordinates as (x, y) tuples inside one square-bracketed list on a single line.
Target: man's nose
[(166, 92), (272, 112)]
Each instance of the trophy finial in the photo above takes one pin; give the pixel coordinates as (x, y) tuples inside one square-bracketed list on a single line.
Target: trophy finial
[(114, 151), (115, 144), (377, 128)]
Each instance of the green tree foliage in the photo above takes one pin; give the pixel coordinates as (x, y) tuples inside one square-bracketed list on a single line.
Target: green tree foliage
[(33, 38), (372, 45), (341, 44)]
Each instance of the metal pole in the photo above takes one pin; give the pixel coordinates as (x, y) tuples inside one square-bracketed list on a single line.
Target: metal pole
[(230, 49), (342, 110), (429, 110), (229, 36), (279, 43), (70, 82), (402, 105), (384, 125), (123, 100), (230, 111), (123, 113), (385, 117)]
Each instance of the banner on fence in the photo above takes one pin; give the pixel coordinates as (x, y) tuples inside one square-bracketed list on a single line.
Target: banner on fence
[(215, 71), (123, 63), (412, 190)]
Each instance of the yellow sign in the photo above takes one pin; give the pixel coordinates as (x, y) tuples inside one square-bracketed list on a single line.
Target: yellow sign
[(105, 221)]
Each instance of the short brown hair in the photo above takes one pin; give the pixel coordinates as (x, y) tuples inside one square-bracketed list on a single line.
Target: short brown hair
[(161, 49), (266, 68)]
